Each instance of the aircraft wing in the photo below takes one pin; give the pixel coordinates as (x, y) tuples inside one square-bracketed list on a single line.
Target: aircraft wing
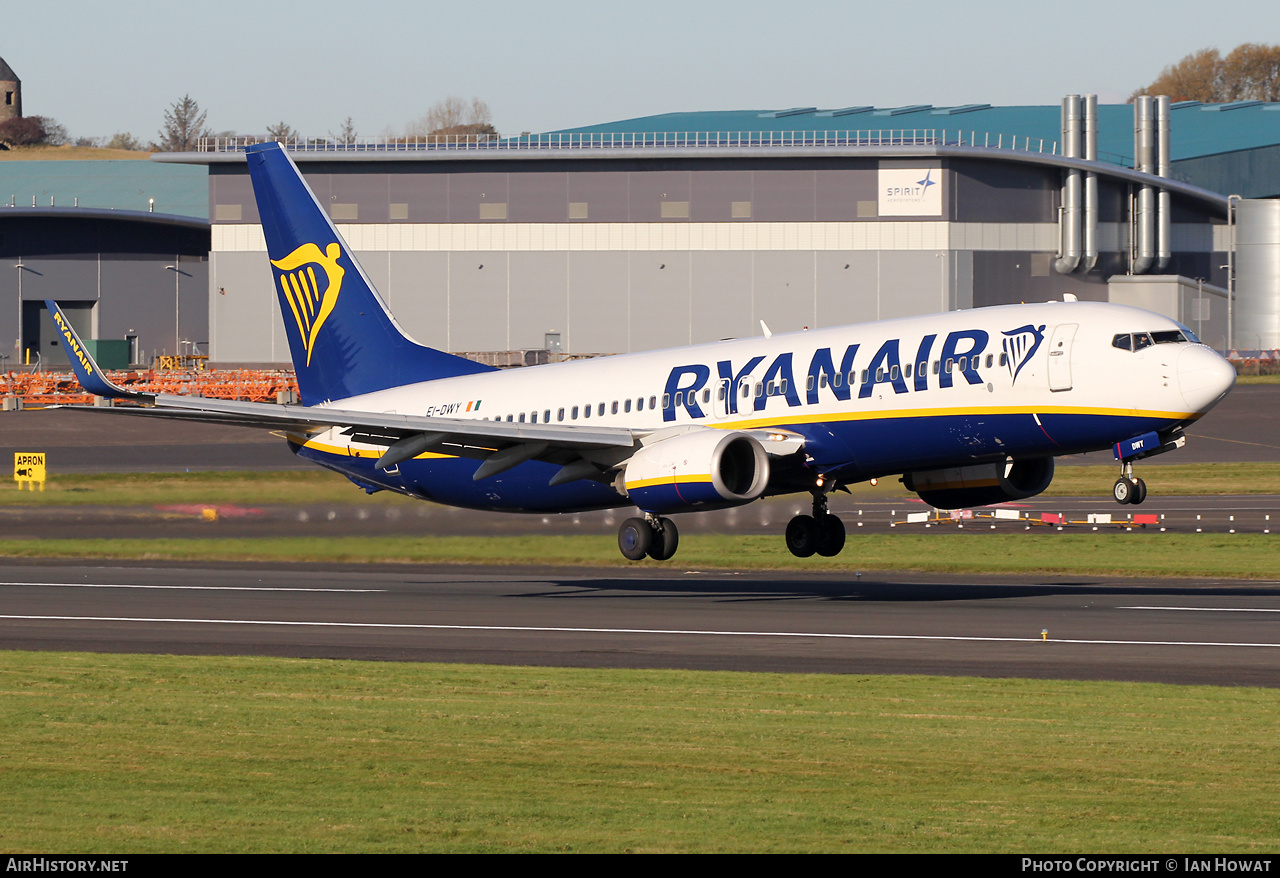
[(583, 452)]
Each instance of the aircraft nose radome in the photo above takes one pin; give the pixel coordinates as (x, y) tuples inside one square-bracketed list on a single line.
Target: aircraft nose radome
[(1204, 377)]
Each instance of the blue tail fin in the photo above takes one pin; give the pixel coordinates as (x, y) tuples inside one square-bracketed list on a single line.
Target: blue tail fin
[(343, 339)]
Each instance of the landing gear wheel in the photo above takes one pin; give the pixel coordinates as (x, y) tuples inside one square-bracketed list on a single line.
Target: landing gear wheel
[(1123, 490), (635, 538), (1139, 493), (665, 541), (802, 536), (830, 536)]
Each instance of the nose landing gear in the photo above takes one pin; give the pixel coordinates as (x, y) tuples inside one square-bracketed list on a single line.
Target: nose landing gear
[(821, 533), (1127, 488)]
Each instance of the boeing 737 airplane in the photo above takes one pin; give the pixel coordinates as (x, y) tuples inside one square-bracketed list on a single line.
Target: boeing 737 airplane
[(969, 407)]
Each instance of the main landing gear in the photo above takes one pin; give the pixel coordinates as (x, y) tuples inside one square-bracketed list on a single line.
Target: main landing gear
[(1128, 489), (651, 536), (821, 533)]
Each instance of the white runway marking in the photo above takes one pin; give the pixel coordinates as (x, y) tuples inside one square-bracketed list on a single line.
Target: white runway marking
[(670, 631), (194, 587), (1208, 609)]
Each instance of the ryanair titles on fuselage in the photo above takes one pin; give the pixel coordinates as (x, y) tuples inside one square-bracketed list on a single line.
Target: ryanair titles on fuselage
[(958, 357)]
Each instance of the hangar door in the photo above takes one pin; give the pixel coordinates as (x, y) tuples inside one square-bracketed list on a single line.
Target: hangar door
[(40, 342)]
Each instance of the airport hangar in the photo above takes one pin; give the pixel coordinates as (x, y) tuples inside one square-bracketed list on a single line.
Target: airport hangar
[(685, 228)]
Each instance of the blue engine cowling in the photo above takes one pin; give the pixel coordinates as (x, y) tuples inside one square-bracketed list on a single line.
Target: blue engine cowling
[(981, 484)]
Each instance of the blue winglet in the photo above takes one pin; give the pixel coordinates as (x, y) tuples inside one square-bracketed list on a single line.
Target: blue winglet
[(90, 374)]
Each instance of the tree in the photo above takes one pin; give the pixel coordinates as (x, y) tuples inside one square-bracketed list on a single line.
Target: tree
[(184, 124), (456, 117), (124, 140), (22, 131), (55, 133), (346, 134), (281, 132), (1250, 72)]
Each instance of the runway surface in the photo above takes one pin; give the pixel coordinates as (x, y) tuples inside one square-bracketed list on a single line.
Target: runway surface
[(1224, 633)]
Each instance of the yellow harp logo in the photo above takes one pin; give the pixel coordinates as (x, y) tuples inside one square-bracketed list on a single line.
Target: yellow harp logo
[(311, 302)]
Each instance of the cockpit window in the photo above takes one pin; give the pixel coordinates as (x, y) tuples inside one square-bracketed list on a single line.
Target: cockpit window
[(1191, 336), (1136, 341)]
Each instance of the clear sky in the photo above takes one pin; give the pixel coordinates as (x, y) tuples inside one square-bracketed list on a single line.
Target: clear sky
[(106, 67)]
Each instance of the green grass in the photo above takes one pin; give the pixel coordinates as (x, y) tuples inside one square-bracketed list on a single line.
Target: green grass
[(302, 487), (1138, 554), (133, 754), (318, 486)]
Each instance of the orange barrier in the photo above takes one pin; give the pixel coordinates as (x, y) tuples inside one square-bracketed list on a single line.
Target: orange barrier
[(61, 388)]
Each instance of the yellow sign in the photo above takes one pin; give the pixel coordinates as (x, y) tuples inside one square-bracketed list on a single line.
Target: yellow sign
[(28, 469), (310, 301)]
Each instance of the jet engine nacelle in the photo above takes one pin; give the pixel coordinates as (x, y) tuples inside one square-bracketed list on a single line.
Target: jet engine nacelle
[(703, 469), (981, 484)]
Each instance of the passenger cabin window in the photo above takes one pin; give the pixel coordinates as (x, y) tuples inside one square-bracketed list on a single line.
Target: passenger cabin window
[(600, 411), (613, 409)]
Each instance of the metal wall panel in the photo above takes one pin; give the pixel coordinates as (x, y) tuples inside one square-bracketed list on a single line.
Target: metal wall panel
[(368, 192), (847, 288), (1003, 192), (720, 296), (417, 292), (225, 188), (782, 290), (1257, 311), (245, 319), (599, 297), (426, 194), (712, 194), (837, 192), (539, 297), (660, 307), (538, 197), (783, 196), (138, 296), (467, 191), (67, 277), (648, 191), (479, 300), (913, 282), (607, 194)]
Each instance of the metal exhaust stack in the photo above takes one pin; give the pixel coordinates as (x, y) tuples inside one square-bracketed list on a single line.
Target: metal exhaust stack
[(1144, 160), (1163, 245), (1090, 184), (1069, 224)]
